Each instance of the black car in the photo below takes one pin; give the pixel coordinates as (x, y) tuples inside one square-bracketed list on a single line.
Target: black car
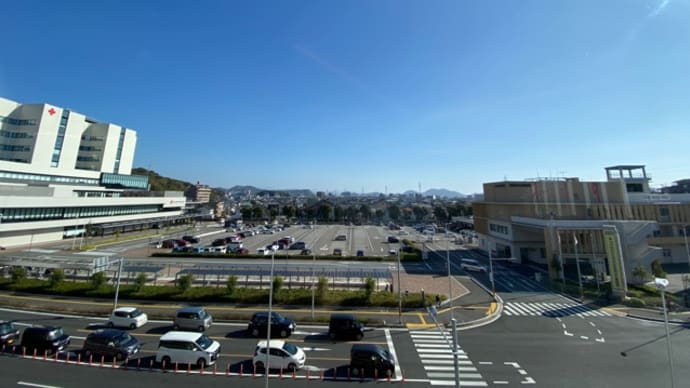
[(393, 239), (44, 338), (345, 326), (305, 252), (8, 333), (280, 325), (111, 343), (370, 359), (191, 239)]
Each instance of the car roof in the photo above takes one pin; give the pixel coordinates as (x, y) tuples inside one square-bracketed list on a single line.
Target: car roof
[(276, 344), (190, 309), (110, 333), (367, 347), (125, 309), (180, 336), (343, 316)]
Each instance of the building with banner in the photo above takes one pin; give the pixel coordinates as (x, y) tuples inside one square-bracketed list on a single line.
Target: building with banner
[(62, 173), (609, 227)]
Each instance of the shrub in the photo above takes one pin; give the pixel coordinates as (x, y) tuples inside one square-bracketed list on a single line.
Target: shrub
[(18, 274), (277, 284), (369, 286), (657, 270), (140, 282), (231, 284), (57, 277), (634, 302), (321, 289), (98, 280), (184, 282)]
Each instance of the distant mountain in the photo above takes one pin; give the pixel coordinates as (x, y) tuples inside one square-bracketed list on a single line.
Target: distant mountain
[(244, 190), (443, 193)]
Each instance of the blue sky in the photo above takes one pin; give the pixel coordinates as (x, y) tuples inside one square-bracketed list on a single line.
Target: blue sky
[(367, 95)]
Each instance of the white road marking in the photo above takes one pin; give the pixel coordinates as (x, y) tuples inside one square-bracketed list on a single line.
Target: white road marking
[(584, 337), (514, 364), (528, 380), (600, 339), (522, 372), (486, 362), (452, 382), (450, 368), (500, 382), (391, 350), (568, 334), (27, 384)]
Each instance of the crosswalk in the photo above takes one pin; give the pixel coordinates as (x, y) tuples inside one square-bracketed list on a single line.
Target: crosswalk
[(435, 351), (551, 310)]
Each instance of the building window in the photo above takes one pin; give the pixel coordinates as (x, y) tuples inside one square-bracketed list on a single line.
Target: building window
[(498, 228), (60, 138), (666, 252)]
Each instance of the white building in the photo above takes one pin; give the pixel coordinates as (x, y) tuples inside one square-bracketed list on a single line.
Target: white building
[(61, 171)]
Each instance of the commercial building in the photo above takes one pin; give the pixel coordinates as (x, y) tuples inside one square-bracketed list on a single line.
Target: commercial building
[(199, 193), (62, 173), (611, 227)]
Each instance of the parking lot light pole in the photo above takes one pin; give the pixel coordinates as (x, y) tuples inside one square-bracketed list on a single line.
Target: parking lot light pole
[(450, 278), (270, 316), (313, 291), (577, 264), (399, 292), (661, 284)]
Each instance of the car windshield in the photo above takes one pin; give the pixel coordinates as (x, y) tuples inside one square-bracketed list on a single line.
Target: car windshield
[(122, 338), (6, 327), (290, 348), (204, 342), (56, 333), (278, 317), (136, 313)]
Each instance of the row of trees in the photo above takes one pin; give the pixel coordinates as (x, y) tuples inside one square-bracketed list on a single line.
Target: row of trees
[(325, 212)]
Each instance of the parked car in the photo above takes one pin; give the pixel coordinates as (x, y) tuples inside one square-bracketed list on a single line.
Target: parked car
[(263, 251), (9, 333), (337, 252), (360, 253), (345, 326), (44, 338), (218, 242), (472, 265), (242, 251), (130, 317), (111, 343), (305, 252), (298, 245), (168, 244), (393, 239), (280, 325), (191, 239), (192, 318), (371, 359), (180, 347), (283, 355), (341, 237)]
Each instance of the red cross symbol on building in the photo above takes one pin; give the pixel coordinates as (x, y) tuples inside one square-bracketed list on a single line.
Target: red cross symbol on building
[(52, 111)]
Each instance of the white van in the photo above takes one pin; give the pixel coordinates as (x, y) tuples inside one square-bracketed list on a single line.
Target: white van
[(183, 347), (472, 265)]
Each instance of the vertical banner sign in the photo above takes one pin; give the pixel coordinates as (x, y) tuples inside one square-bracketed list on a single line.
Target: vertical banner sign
[(615, 268)]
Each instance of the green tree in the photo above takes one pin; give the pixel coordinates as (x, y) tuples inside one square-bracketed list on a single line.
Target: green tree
[(369, 287), (257, 212), (639, 273), (394, 212), (231, 284), (289, 211), (184, 282), (657, 270), (246, 212), (365, 212), (379, 213), (273, 213), (277, 284), (324, 212), (339, 213), (140, 282), (441, 214), (18, 274), (57, 277), (98, 280), (321, 289)]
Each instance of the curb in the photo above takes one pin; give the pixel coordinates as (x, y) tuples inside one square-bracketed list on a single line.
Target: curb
[(641, 317)]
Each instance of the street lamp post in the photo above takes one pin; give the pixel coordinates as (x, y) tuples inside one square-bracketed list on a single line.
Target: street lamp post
[(399, 292), (577, 264), (661, 284), (491, 273), (450, 278), (687, 252), (270, 317), (313, 291)]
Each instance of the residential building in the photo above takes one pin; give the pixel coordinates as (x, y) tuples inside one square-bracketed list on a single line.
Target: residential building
[(62, 173), (611, 226), (199, 193)]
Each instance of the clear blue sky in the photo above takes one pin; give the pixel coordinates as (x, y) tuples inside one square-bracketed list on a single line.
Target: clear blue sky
[(367, 95)]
